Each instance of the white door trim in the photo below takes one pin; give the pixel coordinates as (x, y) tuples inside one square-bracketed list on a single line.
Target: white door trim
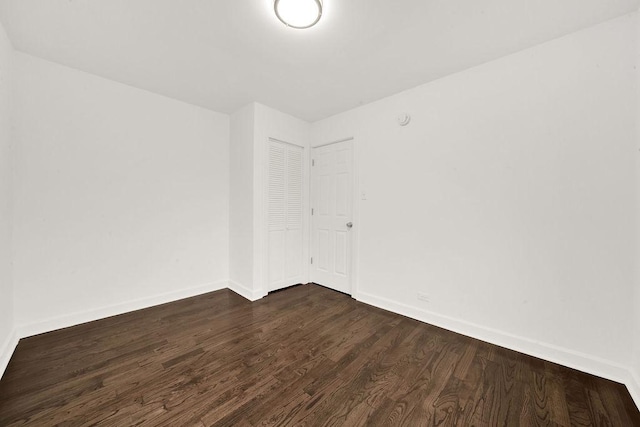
[(334, 142), (286, 142)]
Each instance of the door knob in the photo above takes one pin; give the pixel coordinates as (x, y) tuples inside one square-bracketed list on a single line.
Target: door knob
[(349, 224)]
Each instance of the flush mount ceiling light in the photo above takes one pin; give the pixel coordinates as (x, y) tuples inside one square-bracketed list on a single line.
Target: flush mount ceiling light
[(298, 14)]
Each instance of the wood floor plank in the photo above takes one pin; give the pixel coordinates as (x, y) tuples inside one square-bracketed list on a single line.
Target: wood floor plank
[(304, 356)]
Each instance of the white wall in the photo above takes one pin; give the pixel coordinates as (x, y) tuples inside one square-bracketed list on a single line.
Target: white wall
[(7, 339), (635, 367), (251, 127), (121, 197), (241, 201), (508, 199)]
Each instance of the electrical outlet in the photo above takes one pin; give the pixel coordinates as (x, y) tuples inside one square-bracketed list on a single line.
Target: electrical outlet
[(423, 296)]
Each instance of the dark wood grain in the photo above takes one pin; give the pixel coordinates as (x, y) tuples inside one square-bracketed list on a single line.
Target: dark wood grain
[(305, 356)]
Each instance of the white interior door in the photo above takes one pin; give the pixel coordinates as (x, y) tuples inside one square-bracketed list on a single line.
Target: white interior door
[(331, 220), (284, 215)]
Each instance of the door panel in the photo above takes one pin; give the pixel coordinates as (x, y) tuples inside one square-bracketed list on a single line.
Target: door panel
[(323, 250), (293, 264), (276, 253), (332, 203), (341, 253), (284, 211)]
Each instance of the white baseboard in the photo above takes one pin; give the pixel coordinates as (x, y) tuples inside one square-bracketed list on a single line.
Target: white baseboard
[(244, 291), (66, 321), (562, 356), (633, 385), (7, 349)]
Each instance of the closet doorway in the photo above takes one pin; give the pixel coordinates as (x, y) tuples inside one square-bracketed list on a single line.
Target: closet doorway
[(285, 222)]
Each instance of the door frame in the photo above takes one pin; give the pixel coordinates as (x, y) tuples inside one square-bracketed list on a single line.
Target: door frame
[(354, 279)]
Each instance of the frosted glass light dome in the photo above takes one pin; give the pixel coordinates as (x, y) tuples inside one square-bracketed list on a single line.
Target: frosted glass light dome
[(298, 13)]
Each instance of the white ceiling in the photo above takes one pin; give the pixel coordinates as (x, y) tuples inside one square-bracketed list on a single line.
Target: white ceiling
[(223, 54)]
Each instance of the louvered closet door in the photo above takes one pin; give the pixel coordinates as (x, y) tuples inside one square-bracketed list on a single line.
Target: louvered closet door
[(285, 176)]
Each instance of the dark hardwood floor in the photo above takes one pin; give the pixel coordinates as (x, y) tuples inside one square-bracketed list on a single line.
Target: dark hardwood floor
[(302, 356)]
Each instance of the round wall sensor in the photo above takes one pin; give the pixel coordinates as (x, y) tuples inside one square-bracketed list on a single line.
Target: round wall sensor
[(404, 119)]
